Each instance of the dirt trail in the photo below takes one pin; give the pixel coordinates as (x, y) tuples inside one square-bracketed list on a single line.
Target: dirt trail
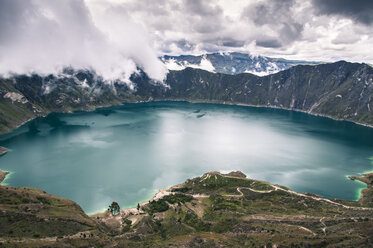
[(307, 230), (321, 199), (276, 188), (323, 223)]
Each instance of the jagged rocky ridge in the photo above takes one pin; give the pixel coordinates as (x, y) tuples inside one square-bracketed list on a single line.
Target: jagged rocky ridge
[(233, 63), (339, 90)]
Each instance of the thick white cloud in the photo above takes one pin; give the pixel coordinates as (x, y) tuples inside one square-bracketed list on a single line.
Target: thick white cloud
[(43, 36), (115, 36)]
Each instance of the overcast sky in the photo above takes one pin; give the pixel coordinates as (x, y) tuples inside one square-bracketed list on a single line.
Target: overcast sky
[(313, 29), (113, 36)]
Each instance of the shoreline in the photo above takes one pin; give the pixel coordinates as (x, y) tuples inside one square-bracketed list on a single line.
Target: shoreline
[(93, 108), (366, 179), (141, 202), (133, 210), (89, 109), (259, 106)]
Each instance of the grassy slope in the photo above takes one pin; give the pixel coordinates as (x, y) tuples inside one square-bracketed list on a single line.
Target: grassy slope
[(214, 210), (255, 215), (32, 213)]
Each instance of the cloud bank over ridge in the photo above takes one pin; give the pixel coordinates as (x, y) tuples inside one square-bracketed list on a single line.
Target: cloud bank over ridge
[(114, 37), (42, 36)]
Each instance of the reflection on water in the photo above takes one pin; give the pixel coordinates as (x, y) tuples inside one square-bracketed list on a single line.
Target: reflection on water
[(126, 153)]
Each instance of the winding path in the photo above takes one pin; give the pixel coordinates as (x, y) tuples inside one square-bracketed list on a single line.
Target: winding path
[(276, 188)]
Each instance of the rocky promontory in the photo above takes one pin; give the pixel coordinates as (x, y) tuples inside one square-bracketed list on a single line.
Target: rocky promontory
[(3, 175), (3, 150), (366, 194)]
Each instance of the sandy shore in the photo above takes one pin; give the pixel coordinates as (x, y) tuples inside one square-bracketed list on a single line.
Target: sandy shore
[(134, 211)]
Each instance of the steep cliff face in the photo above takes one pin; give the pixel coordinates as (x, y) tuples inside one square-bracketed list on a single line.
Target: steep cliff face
[(340, 90), (26, 97), (14, 107)]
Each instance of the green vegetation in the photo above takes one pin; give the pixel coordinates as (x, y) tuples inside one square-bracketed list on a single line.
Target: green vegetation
[(29, 212), (162, 204), (114, 208), (214, 210)]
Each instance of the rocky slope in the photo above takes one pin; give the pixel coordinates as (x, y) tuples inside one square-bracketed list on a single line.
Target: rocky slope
[(214, 210), (339, 90)]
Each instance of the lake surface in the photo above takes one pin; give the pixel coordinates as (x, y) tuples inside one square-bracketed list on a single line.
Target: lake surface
[(126, 153)]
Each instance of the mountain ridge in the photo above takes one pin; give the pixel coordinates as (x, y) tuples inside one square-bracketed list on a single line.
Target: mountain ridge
[(349, 83), (233, 63), (339, 90)]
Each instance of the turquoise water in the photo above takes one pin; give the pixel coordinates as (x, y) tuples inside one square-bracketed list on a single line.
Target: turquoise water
[(125, 153)]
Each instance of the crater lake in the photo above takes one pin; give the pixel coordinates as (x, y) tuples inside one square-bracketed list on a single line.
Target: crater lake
[(126, 153)]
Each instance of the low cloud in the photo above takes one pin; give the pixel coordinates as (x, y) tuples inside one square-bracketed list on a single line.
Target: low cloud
[(43, 36), (268, 43)]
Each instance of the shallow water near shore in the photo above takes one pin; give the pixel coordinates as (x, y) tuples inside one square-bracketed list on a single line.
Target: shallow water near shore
[(125, 153)]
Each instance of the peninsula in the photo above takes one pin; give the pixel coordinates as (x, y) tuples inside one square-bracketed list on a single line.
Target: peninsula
[(3, 150), (3, 175), (366, 194)]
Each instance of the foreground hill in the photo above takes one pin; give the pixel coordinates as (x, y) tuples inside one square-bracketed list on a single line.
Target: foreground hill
[(339, 90), (214, 210), (31, 213)]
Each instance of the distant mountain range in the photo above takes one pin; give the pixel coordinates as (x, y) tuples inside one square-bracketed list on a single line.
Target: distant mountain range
[(340, 90), (232, 63)]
